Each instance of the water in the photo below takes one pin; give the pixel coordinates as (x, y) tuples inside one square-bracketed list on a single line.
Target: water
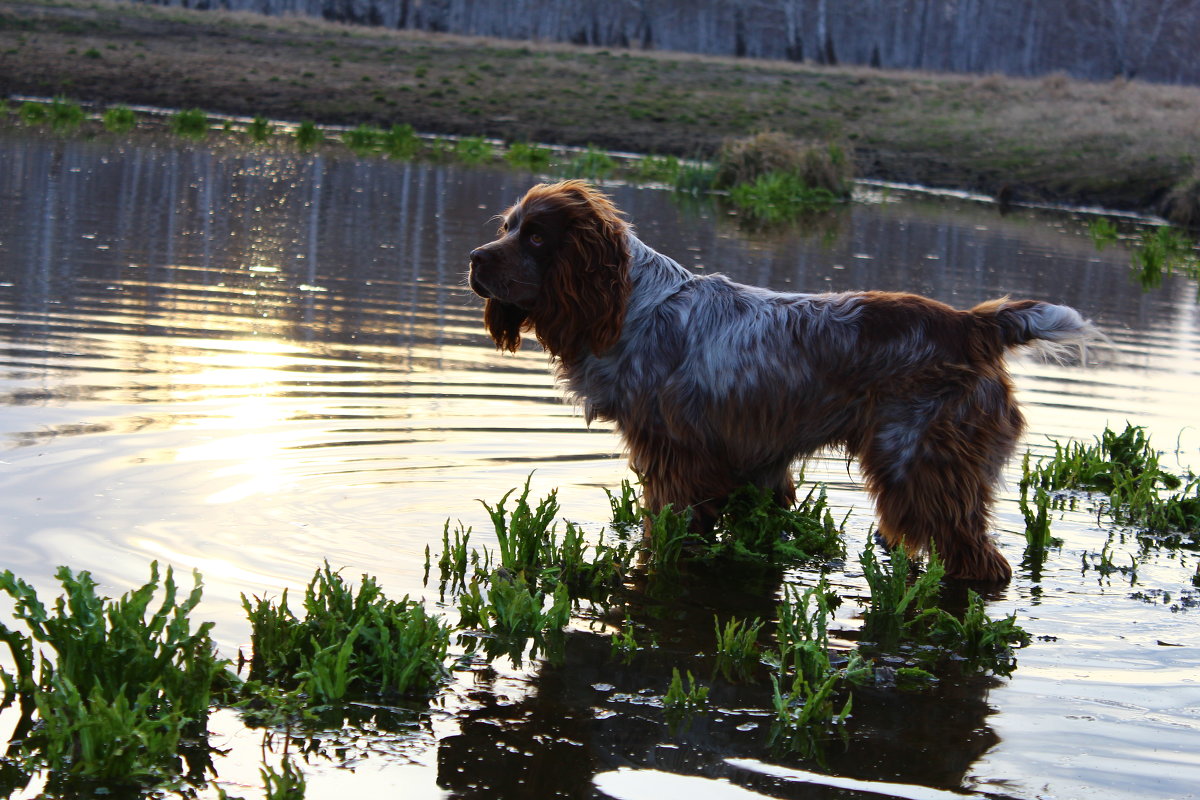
[(248, 362)]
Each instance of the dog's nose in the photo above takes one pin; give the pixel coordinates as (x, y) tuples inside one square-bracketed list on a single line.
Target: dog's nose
[(479, 256)]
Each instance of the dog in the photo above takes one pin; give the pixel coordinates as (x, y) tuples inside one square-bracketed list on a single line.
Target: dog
[(713, 385)]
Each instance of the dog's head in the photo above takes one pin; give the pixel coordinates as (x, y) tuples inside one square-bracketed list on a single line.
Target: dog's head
[(559, 266)]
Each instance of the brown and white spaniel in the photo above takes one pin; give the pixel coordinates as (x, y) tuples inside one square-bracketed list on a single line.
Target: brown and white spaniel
[(713, 385)]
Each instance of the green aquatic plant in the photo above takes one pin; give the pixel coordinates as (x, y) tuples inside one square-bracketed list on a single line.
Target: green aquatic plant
[(623, 643), (400, 141), (363, 139), (473, 150), (753, 527), (64, 114), (898, 594), (512, 607), (522, 155), (737, 646), (657, 169), (523, 532), (667, 532), (191, 123), (308, 135), (679, 702), (127, 680), (592, 164), (627, 513), (1037, 517), (349, 644), (1103, 232), (1163, 252), (778, 196), (976, 640), (260, 129), (1124, 467), (119, 119), (286, 783), (32, 113)]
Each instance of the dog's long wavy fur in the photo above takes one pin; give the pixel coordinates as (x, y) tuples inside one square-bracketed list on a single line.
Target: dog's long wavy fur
[(713, 384)]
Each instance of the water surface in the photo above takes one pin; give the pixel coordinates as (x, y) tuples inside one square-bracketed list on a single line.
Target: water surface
[(250, 362)]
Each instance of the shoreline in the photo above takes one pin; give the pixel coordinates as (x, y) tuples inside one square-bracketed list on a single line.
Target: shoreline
[(1119, 145)]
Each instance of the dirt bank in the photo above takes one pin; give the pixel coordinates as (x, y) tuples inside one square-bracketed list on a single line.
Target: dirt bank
[(1119, 144)]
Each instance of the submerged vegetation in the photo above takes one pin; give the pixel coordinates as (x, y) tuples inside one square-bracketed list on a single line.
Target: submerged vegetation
[(1124, 470), (121, 690)]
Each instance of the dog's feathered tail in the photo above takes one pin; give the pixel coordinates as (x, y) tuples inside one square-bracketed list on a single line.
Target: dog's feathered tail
[(1055, 332)]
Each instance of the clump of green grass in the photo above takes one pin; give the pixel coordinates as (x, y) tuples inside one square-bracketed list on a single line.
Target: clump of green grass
[(778, 196), (308, 135), (119, 119), (526, 156), (349, 644), (514, 608), (754, 528), (64, 115), (126, 682), (260, 129), (806, 683), (657, 169), (623, 643), (903, 614), (1163, 252), (191, 123), (1038, 538), (695, 178), (473, 150), (592, 164), (821, 168), (897, 595), (32, 113), (287, 783), (523, 532), (362, 140), (667, 533), (626, 511), (737, 646), (400, 141), (680, 703), (1126, 468)]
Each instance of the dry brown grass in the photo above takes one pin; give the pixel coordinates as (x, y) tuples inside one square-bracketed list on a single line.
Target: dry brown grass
[(818, 165)]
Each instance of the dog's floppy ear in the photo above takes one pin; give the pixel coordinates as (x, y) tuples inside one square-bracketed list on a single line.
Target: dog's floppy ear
[(582, 302), (505, 322)]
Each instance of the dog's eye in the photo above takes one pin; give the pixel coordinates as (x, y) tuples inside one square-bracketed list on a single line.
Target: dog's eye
[(536, 239)]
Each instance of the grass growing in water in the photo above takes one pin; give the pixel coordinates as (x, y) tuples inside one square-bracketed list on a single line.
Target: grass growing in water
[(308, 135), (126, 682), (260, 129), (473, 150), (737, 646), (527, 156), (400, 141), (904, 615), (64, 115), (754, 528), (191, 123), (349, 644), (362, 140), (592, 164), (1126, 468), (119, 119)]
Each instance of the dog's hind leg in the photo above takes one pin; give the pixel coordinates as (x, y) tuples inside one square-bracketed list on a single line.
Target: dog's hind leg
[(934, 485)]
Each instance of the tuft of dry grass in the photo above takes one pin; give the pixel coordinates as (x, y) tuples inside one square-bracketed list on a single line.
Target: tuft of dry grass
[(1182, 205), (818, 166)]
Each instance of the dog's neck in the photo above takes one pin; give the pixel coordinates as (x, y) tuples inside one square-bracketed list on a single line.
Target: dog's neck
[(655, 277)]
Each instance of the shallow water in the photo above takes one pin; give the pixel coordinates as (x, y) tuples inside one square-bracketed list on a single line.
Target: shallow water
[(248, 362)]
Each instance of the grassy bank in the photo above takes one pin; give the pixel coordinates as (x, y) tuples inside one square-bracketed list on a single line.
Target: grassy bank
[(1120, 144)]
